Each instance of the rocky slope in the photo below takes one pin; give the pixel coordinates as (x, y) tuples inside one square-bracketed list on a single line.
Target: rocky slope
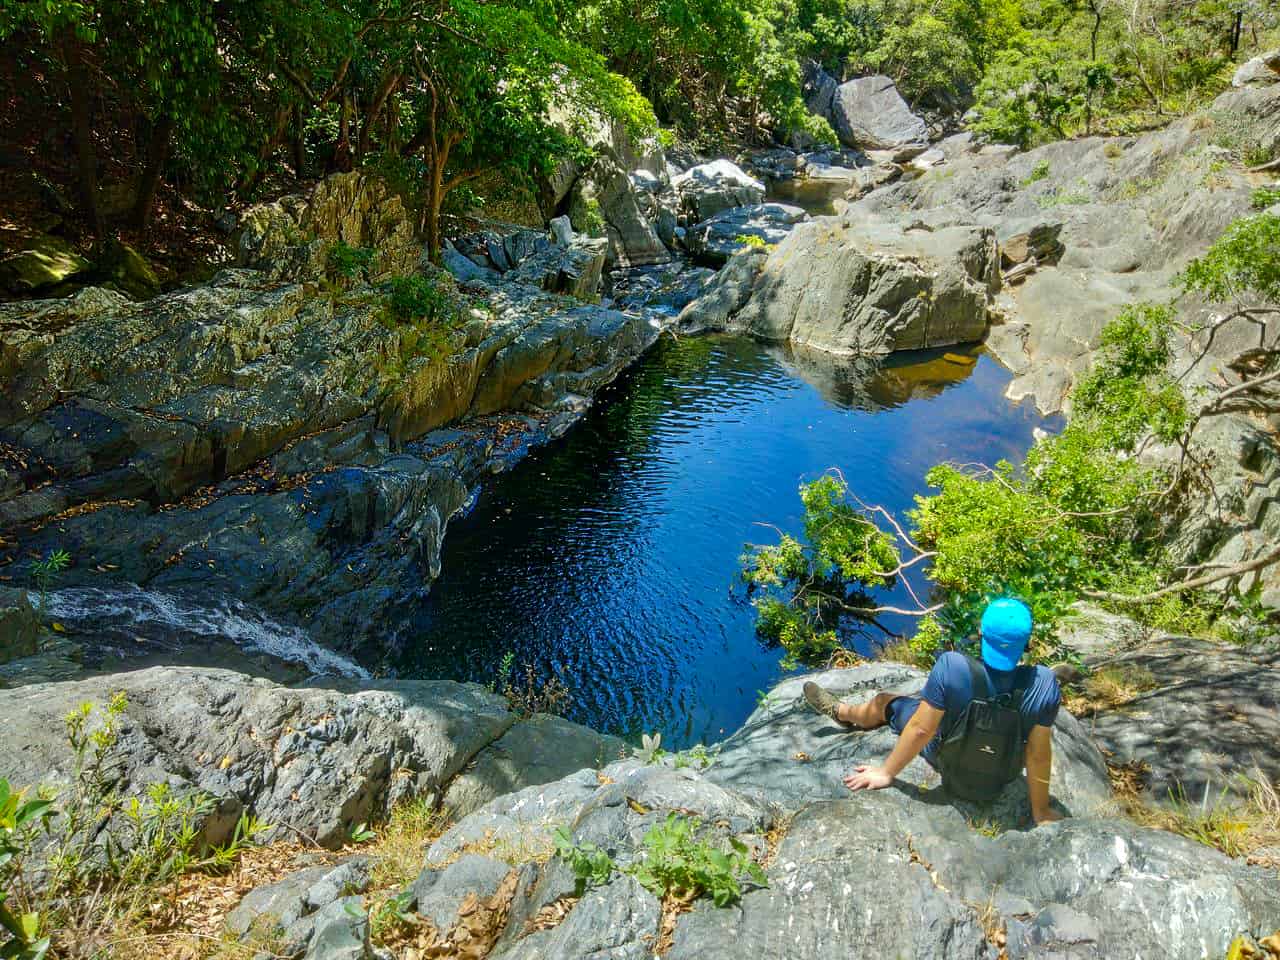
[(901, 872), (271, 436)]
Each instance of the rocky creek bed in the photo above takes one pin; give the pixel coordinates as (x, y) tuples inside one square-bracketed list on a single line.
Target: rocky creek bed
[(268, 437)]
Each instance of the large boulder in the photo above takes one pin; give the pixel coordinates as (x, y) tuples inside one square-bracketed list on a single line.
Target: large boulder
[(719, 238), (862, 287), (869, 113), (320, 760), (603, 204), (41, 263), (709, 188), (1263, 69), (290, 238)]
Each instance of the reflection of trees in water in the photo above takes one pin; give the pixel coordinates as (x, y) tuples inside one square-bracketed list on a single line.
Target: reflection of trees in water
[(878, 383)]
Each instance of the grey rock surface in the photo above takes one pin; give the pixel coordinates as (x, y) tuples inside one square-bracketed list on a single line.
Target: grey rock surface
[(439, 893), (869, 113), (897, 872), (709, 188), (603, 204), (855, 286), (1262, 69), (716, 240), (319, 760), (1209, 714)]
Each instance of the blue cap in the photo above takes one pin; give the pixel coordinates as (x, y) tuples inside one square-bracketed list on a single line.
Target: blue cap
[(1006, 628)]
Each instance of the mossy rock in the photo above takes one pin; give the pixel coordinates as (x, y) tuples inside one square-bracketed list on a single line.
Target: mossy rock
[(129, 270), (44, 262)]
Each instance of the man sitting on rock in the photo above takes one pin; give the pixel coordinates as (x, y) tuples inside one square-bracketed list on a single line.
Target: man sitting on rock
[(977, 723)]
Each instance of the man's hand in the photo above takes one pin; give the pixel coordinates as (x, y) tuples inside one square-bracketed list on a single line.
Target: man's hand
[(1045, 816), (868, 778)]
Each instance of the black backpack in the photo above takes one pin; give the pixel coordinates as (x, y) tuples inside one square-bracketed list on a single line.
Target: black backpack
[(983, 751)]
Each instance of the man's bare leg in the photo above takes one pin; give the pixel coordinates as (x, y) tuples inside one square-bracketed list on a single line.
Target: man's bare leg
[(868, 715), (864, 716)]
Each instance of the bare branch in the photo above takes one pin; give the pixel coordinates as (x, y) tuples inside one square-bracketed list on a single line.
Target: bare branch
[(1227, 572)]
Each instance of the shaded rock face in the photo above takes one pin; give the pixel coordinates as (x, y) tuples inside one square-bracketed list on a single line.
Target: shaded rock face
[(898, 872), (19, 628), (858, 287), (869, 113), (1208, 714), (120, 412), (603, 203), (321, 760)]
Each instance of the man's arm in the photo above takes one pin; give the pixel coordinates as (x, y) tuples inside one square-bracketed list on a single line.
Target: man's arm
[(914, 738), (1039, 759)]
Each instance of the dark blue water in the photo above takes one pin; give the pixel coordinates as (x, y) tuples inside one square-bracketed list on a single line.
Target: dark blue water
[(610, 555)]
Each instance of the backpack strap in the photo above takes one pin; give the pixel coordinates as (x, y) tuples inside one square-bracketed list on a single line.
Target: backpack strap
[(978, 679)]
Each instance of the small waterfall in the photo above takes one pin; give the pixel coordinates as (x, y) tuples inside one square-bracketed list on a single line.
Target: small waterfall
[(124, 612)]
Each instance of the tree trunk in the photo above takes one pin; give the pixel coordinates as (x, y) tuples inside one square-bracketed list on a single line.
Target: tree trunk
[(251, 178), (82, 126), (299, 144), (158, 146), (374, 112), (342, 149)]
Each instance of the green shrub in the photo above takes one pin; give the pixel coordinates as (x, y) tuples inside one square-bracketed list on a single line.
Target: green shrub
[(345, 262), (751, 240), (677, 865), (1265, 197), (418, 298), (96, 877)]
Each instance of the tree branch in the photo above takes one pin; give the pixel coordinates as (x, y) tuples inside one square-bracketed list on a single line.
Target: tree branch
[(1227, 572)]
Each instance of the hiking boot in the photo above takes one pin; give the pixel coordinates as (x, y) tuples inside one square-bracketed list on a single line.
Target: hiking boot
[(822, 701)]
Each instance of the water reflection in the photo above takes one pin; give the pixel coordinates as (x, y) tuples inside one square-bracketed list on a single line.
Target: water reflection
[(609, 556)]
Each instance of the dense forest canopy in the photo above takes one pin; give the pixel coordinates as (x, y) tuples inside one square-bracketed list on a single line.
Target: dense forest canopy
[(214, 96)]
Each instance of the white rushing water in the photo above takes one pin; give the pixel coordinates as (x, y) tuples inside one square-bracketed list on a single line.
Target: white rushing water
[(121, 610)]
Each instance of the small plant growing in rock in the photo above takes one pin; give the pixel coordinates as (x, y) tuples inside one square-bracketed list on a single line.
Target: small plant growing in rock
[(591, 866), (650, 750), (751, 240), (1039, 172), (528, 694), (46, 571), (698, 757), (677, 865)]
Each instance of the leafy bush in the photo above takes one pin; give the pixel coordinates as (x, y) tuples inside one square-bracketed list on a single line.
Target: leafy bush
[(94, 878), (1245, 260), (418, 298), (677, 865), (346, 262)]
